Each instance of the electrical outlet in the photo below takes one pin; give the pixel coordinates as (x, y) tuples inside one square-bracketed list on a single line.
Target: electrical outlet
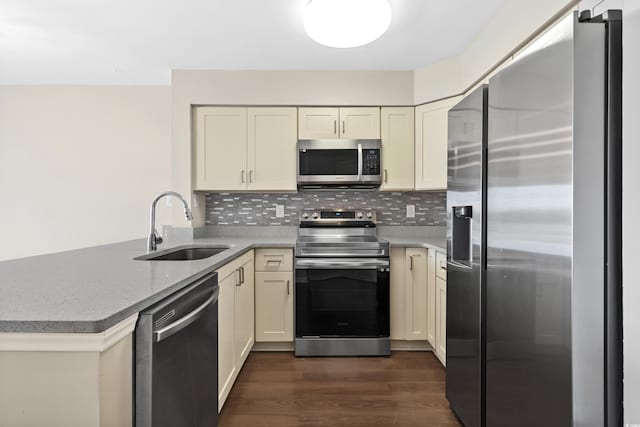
[(167, 200), (411, 211), (195, 202), (279, 211)]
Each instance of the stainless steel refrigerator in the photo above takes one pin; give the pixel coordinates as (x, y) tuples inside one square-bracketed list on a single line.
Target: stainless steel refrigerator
[(534, 235)]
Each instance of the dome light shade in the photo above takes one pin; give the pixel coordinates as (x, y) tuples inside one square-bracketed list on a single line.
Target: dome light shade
[(346, 23)]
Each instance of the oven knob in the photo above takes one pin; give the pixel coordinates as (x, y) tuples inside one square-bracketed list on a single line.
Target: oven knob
[(369, 215), (305, 215), (359, 215), (314, 215)]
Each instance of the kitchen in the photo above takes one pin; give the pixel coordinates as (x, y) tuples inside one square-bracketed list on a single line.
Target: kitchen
[(237, 184)]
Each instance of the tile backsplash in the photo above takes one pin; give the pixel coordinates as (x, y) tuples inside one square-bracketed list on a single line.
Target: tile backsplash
[(260, 208)]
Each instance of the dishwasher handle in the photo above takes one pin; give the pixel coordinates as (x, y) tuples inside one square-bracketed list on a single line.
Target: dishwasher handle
[(185, 321)]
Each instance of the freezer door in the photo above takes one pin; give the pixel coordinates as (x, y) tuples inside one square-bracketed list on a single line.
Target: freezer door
[(544, 233), (465, 253)]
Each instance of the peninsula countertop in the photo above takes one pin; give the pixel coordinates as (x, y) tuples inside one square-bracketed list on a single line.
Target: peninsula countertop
[(89, 290)]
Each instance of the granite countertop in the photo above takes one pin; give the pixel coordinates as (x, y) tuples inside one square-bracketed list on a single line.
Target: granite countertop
[(89, 290)]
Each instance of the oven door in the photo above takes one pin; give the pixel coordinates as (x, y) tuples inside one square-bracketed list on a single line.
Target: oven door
[(342, 297)]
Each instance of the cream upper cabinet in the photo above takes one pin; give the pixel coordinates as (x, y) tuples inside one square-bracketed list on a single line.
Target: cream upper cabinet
[(274, 295), (431, 144), (335, 123), (239, 149), (441, 320), (360, 123), (221, 148), (235, 320), (397, 299), (271, 150), (398, 143), (416, 294), (431, 297), (318, 123)]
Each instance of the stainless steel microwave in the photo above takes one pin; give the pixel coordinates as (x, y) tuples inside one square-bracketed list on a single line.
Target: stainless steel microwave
[(339, 163)]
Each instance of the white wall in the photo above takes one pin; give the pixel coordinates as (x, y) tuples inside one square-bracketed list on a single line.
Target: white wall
[(79, 165), (631, 209), (514, 23)]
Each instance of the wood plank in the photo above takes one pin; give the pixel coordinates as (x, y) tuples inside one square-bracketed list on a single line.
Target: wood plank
[(278, 389)]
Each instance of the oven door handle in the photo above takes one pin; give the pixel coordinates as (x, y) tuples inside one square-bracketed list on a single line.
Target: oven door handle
[(347, 264)]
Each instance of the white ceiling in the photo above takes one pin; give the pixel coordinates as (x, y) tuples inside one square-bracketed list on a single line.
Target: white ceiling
[(140, 41)]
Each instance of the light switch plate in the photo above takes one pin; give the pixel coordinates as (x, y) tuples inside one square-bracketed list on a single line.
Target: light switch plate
[(411, 211), (279, 211)]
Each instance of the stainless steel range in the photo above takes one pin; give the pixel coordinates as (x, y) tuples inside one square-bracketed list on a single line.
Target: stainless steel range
[(342, 285)]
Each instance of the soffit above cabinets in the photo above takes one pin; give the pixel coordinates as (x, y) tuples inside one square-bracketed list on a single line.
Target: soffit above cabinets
[(125, 42)]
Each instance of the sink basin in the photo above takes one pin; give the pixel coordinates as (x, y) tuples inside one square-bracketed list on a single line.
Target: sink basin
[(184, 253)]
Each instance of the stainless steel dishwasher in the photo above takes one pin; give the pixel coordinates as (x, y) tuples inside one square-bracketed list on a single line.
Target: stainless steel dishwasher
[(176, 359)]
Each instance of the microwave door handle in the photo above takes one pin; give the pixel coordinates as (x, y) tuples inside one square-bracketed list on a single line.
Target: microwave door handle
[(359, 162)]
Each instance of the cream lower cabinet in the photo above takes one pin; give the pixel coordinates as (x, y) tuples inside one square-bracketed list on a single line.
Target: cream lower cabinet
[(431, 121), (245, 149), (441, 320), (274, 295), (235, 320), (440, 346), (408, 294), (398, 144), (274, 307), (431, 297)]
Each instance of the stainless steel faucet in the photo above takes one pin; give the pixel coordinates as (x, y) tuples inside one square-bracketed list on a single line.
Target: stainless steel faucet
[(154, 237)]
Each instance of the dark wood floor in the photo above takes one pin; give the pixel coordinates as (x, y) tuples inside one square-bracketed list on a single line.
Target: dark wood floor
[(279, 390)]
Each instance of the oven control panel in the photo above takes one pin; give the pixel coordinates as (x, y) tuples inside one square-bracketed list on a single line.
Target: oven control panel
[(339, 217)]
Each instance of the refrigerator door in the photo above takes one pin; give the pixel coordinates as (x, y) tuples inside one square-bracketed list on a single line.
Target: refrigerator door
[(544, 273), (465, 255)]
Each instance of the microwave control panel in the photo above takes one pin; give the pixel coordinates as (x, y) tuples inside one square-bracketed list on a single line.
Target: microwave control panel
[(371, 162)]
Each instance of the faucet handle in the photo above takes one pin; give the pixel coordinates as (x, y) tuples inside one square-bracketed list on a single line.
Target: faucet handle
[(157, 237)]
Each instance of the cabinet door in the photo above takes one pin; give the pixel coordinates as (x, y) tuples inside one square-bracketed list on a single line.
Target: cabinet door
[(272, 136), (431, 297), (221, 148), (397, 131), (274, 307), (416, 294), (441, 320), (431, 144), (245, 309), (318, 123), (397, 295), (360, 123), (227, 367)]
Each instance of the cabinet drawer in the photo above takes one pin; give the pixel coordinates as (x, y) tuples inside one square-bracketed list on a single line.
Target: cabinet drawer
[(274, 260), (441, 265)]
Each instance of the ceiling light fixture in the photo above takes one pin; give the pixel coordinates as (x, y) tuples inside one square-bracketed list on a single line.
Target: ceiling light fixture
[(346, 23)]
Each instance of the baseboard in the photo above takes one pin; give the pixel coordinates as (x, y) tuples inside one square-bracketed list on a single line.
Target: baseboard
[(272, 346), (403, 345), (396, 345)]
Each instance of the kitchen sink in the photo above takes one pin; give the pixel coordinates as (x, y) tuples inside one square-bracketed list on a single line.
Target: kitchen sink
[(184, 253)]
